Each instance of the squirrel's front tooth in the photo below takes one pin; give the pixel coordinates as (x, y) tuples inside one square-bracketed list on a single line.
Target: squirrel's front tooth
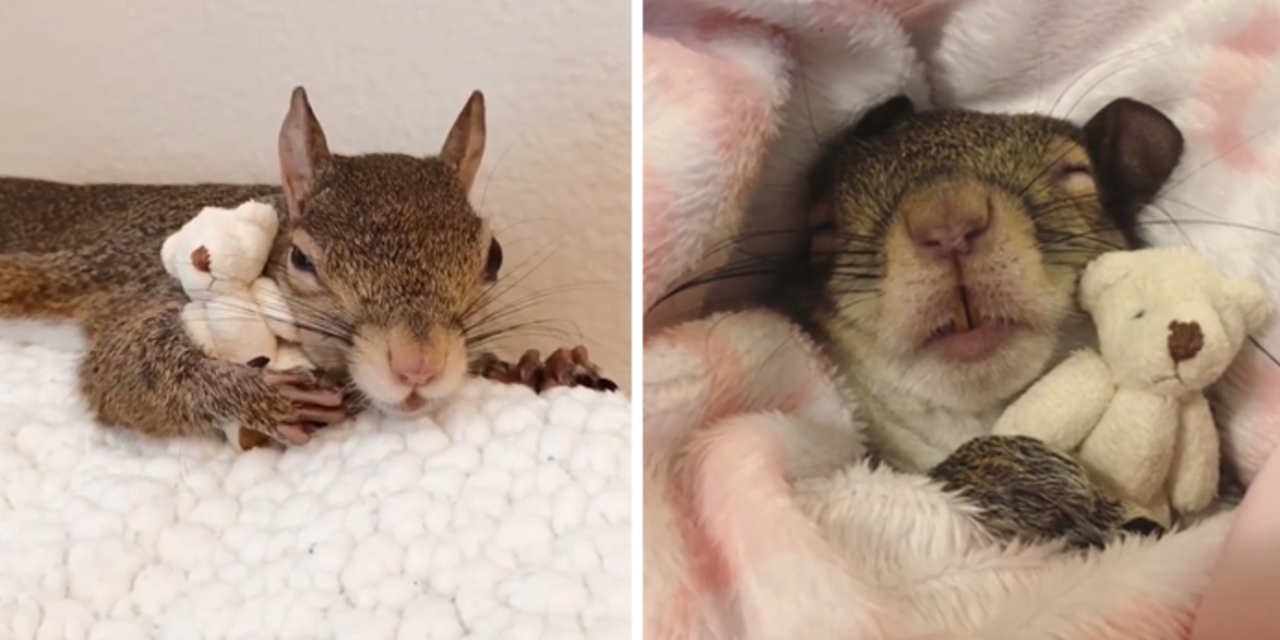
[(961, 319), (963, 313)]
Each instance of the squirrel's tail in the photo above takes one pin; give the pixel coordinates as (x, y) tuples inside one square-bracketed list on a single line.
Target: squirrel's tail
[(44, 286)]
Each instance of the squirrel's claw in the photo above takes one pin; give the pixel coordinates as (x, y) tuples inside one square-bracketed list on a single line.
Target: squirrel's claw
[(573, 368), (326, 398), (321, 415), (293, 434)]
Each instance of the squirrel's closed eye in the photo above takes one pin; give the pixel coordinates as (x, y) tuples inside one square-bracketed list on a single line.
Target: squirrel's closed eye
[(494, 262), (300, 261), (1074, 176)]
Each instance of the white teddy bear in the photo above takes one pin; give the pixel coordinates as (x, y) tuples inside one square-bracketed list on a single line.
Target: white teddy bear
[(1135, 414), (235, 313)]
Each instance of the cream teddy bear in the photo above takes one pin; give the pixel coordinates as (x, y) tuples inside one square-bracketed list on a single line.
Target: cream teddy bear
[(235, 313), (1134, 412)]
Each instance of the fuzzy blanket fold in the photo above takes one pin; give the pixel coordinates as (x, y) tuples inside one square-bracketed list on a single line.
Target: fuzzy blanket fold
[(508, 517), (738, 95)]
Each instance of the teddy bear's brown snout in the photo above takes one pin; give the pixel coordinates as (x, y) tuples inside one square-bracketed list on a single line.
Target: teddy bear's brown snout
[(1185, 340)]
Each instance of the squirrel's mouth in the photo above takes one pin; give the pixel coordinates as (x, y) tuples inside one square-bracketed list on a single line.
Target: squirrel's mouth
[(412, 406), (969, 335)]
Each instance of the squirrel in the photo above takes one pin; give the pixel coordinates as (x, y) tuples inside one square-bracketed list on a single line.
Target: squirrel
[(946, 247), (383, 262)]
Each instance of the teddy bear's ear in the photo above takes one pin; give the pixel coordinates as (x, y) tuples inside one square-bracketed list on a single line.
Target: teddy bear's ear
[(1101, 274), (1252, 300)]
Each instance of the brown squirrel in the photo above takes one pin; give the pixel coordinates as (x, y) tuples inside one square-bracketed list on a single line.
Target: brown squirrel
[(946, 250), (383, 261)]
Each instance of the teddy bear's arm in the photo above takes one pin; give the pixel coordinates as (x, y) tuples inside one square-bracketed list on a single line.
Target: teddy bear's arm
[(238, 329), (1063, 406), (275, 310), (1193, 474), (197, 325)]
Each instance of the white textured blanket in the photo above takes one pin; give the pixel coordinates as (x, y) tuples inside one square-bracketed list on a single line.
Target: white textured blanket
[(510, 519)]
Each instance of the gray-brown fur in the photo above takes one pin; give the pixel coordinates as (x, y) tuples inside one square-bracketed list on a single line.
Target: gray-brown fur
[(400, 243), (393, 238), (1057, 196), (91, 253), (68, 242)]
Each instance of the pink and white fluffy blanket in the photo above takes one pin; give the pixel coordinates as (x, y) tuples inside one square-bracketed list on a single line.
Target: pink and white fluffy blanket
[(755, 524)]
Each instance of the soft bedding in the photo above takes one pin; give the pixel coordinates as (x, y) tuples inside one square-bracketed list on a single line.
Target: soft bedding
[(507, 516), (738, 96)]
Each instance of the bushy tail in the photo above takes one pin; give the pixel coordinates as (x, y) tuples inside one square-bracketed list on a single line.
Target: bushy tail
[(47, 286)]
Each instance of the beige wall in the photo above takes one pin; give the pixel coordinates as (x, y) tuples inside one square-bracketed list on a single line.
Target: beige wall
[(194, 90)]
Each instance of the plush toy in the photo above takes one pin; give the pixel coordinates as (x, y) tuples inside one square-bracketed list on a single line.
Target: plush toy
[(1134, 412), (235, 313)]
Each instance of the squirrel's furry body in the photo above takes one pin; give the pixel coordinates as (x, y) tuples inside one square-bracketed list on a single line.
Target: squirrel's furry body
[(381, 258), (101, 237), (946, 254), (90, 253)]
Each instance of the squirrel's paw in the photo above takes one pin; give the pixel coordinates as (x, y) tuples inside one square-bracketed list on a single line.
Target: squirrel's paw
[(573, 368), (314, 404), (313, 400), (563, 368), (290, 405)]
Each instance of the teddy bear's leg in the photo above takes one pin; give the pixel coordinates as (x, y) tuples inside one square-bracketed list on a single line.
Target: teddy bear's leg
[(242, 439), (1029, 491), (1130, 451), (1194, 474)]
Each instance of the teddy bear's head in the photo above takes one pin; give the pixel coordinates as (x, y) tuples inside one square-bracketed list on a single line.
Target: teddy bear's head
[(221, 250), (1168, 321)]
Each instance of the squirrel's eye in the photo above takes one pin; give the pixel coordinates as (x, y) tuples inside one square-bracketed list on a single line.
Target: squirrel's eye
[(1074, 177), (494, 262), (301, 262)]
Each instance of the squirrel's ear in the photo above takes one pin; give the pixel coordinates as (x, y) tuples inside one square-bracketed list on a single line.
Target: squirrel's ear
[(879, 118), (464, 148), (303, 152), (823, 175), (1134, 149)]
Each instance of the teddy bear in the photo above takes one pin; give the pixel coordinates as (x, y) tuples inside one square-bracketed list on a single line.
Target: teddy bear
[(235, 313), (1133, 412)]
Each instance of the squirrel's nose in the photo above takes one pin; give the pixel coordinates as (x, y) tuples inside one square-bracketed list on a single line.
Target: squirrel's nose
[(945, 228), (949, 219), (417, 376), (412, 364)]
